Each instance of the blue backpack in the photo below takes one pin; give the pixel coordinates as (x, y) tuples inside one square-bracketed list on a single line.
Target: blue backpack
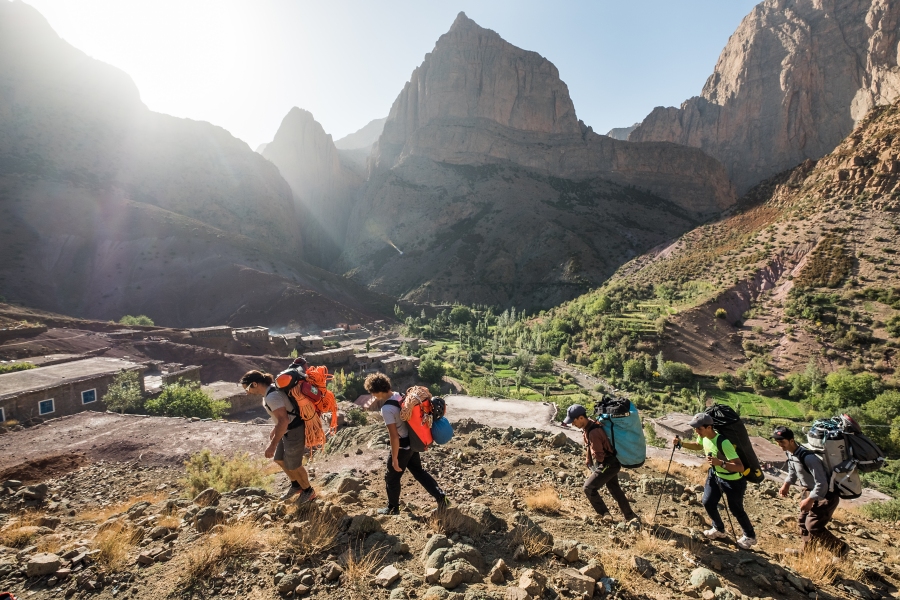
[(622, 425)]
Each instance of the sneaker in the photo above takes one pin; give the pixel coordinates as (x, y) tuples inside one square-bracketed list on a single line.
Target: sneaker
[(745, 542), (389, 510), (443, 502), (715, 534), (607, 518), (292, 491), (307, 495)]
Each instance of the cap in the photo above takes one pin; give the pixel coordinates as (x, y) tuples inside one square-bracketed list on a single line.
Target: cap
[(783, 433), (701, 419), (575, 411)]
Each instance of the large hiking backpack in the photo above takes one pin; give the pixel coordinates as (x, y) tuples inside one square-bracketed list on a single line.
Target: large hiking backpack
[(846, 452), (728, 424), (286, 381), (622, 425), (843, 477), (310, 398)]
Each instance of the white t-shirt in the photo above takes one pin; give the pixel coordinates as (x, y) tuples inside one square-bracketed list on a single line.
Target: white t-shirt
[(278, 399), (391, 414)]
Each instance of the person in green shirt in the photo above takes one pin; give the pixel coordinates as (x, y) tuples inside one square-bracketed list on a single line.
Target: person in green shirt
[(725, 477)]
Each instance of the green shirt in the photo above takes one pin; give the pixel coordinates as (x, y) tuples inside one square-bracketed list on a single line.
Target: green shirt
[(711, 447)]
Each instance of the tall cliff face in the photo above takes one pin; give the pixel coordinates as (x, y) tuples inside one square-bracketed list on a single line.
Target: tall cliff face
[(791, 83), (495, 192), (477, 99), (324, 188), (109, 208)]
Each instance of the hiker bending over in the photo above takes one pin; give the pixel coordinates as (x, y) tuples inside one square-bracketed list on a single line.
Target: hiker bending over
[(817, 504), (602, 461), (287, 441), (401, 457), (725, 477)]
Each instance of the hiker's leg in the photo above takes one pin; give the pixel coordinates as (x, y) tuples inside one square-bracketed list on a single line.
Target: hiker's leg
[(817, 521), (591, 485), (711, 497), (424, 477), (294, 448), (392, 478), (734, 492), (615, 490)]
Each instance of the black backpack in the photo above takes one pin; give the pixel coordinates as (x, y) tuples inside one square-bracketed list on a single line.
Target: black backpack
[(729, 426)]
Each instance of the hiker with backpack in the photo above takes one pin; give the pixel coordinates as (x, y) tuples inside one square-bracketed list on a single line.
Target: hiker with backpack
[(725, 478), (818, 502), (287, 440), (403, 456), (603, 464)]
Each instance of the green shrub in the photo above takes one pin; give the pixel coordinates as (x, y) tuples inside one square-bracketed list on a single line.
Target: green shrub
[(136, 320), (207, 470), (13, 367), (431, 371), (186, 400), (124, 393), (542, 363), (883, 511), (893, 326), (721, 313), (357, 417)]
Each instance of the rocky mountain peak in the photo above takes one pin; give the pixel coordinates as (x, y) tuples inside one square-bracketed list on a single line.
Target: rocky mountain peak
[(794, 79)]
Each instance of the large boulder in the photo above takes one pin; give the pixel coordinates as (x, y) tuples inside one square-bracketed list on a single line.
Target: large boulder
[(41, 564)]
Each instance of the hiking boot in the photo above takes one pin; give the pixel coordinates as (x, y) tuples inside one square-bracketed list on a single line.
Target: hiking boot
[(389, 510), (607, 518), (307, 495), (745, 542), (715, 534), (292, 491)]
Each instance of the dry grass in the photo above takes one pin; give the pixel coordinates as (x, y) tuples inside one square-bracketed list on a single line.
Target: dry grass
[(207, 470), (815, 563), (52, 543), (683, 473), (544, 500), (102, 513), (452, 520), (359, 566), (19, 532), (535, 542), (319, 534), (170, 521), (114, 544), (230, 544)]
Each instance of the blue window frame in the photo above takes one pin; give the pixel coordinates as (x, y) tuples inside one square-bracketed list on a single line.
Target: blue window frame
[(88, 396), (45, 407)]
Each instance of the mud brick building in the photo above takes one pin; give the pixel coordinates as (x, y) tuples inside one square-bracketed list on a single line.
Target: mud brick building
[(61, 389)]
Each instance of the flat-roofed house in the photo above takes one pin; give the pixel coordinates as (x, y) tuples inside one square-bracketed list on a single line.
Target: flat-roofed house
[(62, 389)]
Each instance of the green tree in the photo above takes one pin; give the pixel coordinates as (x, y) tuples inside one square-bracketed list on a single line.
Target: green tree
[(186, 399), (854, 389), (460, 315), (124, 393), (632, 369), (136, 320), (542, 363), (431, 371)]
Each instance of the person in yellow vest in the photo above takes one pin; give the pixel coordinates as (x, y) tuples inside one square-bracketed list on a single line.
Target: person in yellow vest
[(725, 478)]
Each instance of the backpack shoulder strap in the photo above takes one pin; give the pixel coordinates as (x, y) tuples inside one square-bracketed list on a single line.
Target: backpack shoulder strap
[(391, 402), (801, 456)]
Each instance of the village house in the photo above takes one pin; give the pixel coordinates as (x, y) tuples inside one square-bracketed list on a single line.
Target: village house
[(60, 389)]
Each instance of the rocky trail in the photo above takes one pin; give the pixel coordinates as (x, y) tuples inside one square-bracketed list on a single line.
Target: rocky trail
[(106, 525)]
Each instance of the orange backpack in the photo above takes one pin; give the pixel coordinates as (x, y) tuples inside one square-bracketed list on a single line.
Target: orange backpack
[(313, 398)]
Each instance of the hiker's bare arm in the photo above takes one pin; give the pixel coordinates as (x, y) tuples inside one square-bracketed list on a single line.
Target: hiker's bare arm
[(689, 445), (395, 445), (732, 466), (281, 425)]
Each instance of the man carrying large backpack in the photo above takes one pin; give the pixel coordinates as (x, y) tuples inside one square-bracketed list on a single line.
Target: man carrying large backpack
[(725, 478), (402, 456), (602, 461), (818, 503)]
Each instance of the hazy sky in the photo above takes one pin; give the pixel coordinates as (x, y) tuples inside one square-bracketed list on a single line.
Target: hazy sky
[(243, 64)]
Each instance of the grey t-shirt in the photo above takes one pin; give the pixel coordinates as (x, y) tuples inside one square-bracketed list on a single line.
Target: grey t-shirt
[(391, 414), (278, 399)]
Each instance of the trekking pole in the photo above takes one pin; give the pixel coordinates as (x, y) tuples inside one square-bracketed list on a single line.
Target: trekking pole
[(675, 445), (724, 501)]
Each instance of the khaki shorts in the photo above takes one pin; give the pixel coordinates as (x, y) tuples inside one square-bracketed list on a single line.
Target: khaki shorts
[(291, 448)]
